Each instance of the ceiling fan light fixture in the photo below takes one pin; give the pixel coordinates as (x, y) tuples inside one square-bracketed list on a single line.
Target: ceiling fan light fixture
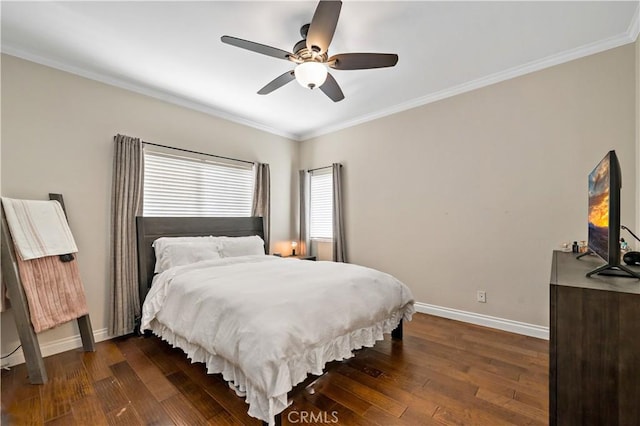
[(312, 55), (311, 74)]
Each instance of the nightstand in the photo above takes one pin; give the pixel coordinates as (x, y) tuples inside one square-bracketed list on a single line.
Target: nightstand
[(301, 257)]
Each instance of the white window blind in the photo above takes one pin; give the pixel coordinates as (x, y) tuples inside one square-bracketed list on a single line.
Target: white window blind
[(321, 205), (176, 185)]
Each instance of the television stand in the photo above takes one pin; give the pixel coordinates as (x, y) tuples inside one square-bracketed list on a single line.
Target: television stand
[(615, 271), (584, 254), (611, 270), (621, 271)]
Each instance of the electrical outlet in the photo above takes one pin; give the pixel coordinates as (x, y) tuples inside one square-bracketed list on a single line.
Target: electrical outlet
[(482, 296)]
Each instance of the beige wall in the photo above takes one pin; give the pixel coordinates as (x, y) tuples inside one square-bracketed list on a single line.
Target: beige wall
[(475, 191), (57, 132), (468, 193)]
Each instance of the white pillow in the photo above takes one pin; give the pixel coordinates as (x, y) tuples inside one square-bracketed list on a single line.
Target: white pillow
[(184, 253), (240, 246), (160, 243)]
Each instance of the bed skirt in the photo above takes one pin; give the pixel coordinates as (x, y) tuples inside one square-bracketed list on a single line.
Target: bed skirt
[(262, 405)]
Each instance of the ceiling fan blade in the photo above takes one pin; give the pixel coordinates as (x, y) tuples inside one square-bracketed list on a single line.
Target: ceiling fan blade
[(257, 47), (323, 25), (331, 89), (362, 61), (277, 83)]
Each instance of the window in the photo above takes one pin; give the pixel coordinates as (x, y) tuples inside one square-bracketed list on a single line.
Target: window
[(176, 185), (321, 205)]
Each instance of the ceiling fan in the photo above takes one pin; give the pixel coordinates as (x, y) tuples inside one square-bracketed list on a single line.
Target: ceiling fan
[(312, 57)]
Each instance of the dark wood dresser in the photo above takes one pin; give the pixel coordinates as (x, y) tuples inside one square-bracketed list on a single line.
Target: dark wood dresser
[(594, 348)]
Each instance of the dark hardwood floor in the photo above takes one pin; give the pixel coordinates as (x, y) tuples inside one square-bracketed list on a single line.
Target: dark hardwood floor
[(444, 372)]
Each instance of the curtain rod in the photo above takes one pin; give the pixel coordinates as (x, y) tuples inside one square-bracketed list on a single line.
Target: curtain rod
[(196, 152), (319, 168)]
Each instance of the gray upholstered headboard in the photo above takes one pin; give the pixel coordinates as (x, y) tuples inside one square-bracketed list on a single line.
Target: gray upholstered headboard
[(151, 228)]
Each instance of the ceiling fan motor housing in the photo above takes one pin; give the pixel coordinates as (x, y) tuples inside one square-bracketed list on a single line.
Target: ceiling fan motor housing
[(304, 30), (306, 55)]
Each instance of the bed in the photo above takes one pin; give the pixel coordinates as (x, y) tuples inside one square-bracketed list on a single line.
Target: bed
[(265, 323)]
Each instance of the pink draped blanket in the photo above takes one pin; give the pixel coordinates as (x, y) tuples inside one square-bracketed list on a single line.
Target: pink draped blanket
[(54, 291)]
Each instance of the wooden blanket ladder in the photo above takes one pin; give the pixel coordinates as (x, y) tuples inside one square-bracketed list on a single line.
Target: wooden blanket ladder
[(28, 338)]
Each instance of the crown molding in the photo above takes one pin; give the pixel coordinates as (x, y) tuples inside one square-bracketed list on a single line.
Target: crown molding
[(143, 90), (590, 49), (634, 26), (549, 61)]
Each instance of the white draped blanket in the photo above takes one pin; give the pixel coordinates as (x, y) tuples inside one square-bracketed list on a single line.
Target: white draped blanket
[(266, 322), (38, 228)]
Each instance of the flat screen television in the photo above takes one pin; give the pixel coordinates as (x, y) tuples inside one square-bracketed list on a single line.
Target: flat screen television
[(605, 182)]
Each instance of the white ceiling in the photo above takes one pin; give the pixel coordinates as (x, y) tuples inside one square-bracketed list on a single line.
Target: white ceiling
[(172, 51)]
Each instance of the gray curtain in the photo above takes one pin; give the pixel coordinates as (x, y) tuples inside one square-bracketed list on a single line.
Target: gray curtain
[(305, 242), (262, 199), (126, 202), (339, 247)]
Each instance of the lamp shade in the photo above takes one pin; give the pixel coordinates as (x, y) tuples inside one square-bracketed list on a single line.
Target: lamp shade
[(311, 74)]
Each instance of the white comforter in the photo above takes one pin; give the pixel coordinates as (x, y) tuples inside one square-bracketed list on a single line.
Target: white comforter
[(266, 322)]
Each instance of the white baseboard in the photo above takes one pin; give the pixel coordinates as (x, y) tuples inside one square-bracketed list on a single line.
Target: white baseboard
[(56, 347), (485, 320), (74, 342)]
